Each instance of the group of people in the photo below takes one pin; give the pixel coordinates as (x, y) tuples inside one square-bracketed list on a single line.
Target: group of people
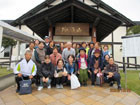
[(48, 64)]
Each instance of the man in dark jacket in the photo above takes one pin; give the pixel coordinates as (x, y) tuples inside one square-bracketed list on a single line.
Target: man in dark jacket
[(112, 73), (95, 65), (46, 73)]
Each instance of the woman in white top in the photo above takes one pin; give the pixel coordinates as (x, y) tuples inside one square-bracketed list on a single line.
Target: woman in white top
[(82, 67), (60, 74)]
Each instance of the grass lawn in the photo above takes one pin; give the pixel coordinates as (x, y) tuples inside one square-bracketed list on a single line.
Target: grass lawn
[(133, 81), (4, 71)]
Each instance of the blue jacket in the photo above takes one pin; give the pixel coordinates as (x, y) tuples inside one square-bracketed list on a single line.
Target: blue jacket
[(71, 68)]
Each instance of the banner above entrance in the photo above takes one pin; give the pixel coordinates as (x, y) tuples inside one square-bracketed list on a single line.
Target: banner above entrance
[(72, 29)]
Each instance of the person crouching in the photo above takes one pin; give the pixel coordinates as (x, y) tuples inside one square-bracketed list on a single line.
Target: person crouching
[(60, 74), (25, 69), (46, 73)]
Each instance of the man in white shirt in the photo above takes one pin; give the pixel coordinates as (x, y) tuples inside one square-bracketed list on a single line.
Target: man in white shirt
[(25, 69)]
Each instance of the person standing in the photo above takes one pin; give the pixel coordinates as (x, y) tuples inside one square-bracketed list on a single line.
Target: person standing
[(49, 49), (105, 51), (91, 49), (68, 51), (36, 43), (55, 56), (31, 48), (39, 59)]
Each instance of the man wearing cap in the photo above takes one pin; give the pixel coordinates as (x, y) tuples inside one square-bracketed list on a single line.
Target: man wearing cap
[(47, 40), (95, 65)]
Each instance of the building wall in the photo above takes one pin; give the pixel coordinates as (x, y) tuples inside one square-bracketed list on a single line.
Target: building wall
[(118, 33)]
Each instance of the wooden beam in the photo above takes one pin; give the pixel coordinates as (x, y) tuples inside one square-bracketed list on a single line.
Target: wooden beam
[(47, 19), (96, 22), (72, 14), (93, 34)]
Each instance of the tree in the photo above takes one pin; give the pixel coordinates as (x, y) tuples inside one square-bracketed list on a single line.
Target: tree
[(133, 30), (7, 42)]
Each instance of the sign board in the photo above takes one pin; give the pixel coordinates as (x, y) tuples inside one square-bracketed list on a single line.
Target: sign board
[(131, 46), (72, 29)]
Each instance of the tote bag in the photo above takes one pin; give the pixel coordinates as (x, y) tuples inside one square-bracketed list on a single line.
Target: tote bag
[(25, 87)]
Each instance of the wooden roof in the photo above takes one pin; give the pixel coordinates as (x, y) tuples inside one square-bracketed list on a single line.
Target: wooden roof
[(72, 11)]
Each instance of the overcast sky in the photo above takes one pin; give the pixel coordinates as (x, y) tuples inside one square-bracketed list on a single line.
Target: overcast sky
[(12, 9)]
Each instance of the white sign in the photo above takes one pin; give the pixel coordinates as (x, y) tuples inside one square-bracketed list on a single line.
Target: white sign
[(131, 47)]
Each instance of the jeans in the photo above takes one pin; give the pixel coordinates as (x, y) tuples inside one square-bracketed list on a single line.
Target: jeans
[(116, 77), (47, 83)]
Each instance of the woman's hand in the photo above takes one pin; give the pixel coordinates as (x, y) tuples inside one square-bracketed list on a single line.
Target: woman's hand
[(95, 71), (69, 77), (89, 71), (64, 73), (78, 72), (43, 79), (47, 79)]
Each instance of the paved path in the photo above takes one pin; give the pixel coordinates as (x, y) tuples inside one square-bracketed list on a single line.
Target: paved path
[(82, 96)]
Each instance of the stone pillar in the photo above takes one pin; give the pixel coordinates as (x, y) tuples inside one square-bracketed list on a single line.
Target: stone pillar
[(1, 35), (93, 34)]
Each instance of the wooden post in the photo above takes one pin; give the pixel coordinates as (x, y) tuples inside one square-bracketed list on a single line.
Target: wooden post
[(93, 34), (50, 33), (1, 35), (125, 71)]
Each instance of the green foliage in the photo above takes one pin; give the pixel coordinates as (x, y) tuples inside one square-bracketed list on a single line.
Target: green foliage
[(6, 42), (133, 30), (133, 81), (4, 72)]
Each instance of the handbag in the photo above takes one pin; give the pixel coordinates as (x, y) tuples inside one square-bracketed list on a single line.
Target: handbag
[(25, 87), (74, 82)]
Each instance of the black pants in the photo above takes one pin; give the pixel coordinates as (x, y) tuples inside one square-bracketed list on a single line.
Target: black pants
[(116, 77), (60, 80), (93, 77), (18, 79)]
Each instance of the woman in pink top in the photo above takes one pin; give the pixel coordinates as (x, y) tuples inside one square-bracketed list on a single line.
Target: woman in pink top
[(55, 56)]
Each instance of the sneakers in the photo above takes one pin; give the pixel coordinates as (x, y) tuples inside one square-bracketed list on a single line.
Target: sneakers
[(17, 90), (119, 87), (85, 84), (40, 88), (49, 87), (59, 86), (111, 84)]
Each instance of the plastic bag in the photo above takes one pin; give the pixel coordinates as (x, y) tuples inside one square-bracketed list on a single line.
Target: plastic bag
[(74, 82)]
